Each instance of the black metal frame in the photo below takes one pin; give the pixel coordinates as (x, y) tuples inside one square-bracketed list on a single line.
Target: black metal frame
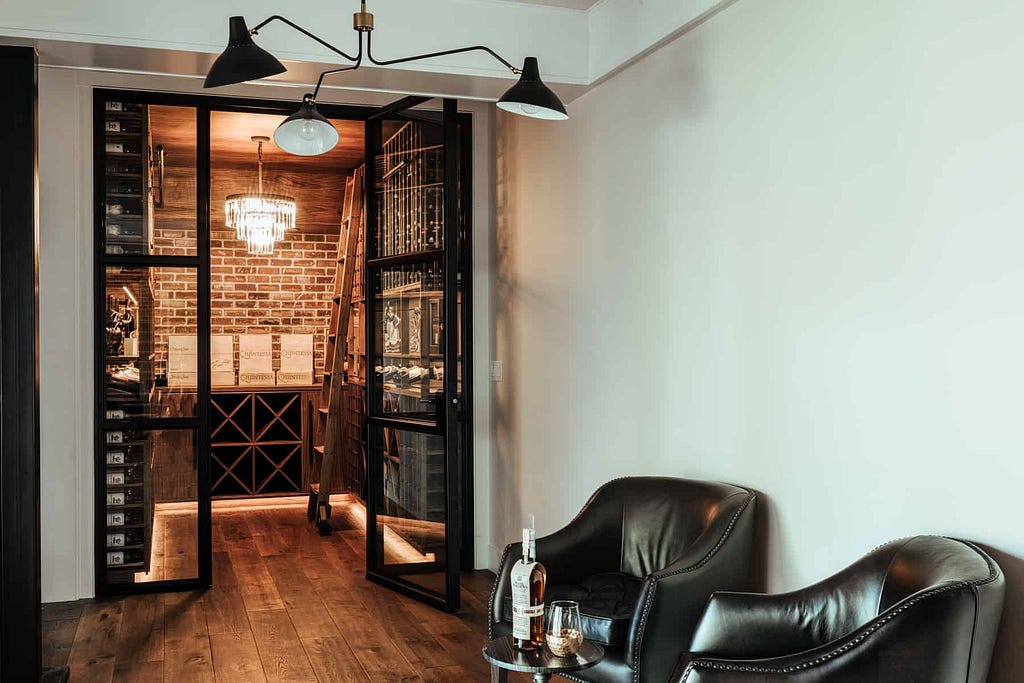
[(457, 174), (20, 622), (200, 263), (200, 423), (455, 412), (368, 53)]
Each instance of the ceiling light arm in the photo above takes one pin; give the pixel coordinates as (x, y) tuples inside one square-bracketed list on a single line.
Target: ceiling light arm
[(358, 62), (277, 17), (479, 48)]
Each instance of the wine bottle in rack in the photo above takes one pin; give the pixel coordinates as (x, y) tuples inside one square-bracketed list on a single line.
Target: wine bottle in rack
[(117, 558), (528, 580), (124, 538), (129, 495), (124, 518)]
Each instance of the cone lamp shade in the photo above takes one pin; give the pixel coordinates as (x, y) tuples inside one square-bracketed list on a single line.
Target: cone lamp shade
[(306, 132), (530, 97), (242, 60)]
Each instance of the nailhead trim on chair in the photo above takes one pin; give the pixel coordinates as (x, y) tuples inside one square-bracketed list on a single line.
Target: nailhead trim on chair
[(494, 592), (635, 653), (877, 624)]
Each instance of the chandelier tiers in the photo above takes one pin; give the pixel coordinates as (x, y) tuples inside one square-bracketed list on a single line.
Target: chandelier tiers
[(307, 132), (258, 218)]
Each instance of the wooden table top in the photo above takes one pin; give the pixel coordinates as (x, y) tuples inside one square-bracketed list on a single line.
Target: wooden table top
[(501, 653)]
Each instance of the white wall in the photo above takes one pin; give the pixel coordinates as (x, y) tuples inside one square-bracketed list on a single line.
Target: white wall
[(785, 251), (65, 308)]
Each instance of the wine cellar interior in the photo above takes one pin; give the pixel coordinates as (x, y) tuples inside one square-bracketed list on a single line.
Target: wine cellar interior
[(274, 319)]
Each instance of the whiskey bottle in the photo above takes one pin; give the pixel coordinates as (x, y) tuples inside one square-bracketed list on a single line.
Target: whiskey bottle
[(528, 580)]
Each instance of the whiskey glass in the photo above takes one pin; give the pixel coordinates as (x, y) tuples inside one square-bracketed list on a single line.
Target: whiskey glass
[(565, 634)]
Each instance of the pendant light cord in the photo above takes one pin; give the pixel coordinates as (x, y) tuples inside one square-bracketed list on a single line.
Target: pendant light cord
[(259, 164)]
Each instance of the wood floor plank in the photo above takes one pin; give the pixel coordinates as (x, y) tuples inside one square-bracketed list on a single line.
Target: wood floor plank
[(254, 581), (225, 610), (235, 658), (59, 611), (223, 571), (94, 651), (142, 630), (279, 647), (333, 660), (187, 654), (139, 672), (381, 659), (305, 615), (58, 637)]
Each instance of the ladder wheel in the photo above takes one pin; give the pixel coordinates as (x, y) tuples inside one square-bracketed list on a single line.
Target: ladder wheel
[(323, 513)]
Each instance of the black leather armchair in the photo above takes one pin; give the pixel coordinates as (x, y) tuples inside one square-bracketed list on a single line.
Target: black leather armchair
[(919, 610), (641, 558)]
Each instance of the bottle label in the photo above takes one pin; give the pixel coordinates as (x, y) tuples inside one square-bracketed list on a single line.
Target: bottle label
[(522, 610)]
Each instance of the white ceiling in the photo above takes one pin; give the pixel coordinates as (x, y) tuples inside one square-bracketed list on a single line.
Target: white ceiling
[(571, 4), (578, 42)]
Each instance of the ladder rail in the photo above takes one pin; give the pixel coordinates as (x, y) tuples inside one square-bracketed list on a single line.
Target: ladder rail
[(353, 222)]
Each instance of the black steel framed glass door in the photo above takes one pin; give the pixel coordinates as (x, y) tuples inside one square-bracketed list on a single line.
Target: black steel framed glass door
[(152, 314), (414, 469)]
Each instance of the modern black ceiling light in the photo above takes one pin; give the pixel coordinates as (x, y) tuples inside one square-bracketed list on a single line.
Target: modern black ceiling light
[(307, 132)]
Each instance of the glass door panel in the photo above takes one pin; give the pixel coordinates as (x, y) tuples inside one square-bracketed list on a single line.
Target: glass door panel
[(409, 359), (414, 500), (411, 510), (409, 187), (151, 362), (151, 505), (150, 355)]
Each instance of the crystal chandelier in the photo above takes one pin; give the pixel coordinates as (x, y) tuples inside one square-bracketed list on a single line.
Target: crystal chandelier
[(259, 219)]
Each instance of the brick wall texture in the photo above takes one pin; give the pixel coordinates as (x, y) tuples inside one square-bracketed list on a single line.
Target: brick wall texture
[(288, 292)]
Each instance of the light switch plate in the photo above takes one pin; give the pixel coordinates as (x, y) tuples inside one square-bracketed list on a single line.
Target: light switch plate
[(496, 371)]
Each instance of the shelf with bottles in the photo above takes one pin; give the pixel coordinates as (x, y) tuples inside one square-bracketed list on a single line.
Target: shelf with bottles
[(128, 206), (410, 191)]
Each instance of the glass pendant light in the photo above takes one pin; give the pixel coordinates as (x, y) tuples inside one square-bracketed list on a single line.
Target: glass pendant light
[(258, 218), (260, 242)]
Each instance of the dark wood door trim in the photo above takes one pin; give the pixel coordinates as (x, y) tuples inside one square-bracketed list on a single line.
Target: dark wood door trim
[(19, 377)]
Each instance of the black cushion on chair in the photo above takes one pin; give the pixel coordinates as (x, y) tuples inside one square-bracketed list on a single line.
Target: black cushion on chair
[(607, 604)]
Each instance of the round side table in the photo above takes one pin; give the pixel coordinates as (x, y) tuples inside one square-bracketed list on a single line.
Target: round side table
[(503, 657)]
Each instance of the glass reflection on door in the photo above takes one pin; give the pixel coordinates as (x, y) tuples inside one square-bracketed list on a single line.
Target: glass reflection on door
[(411, 518)]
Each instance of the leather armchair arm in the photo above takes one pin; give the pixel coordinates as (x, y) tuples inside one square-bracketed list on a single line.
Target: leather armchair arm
[(672, 599), (921, 639), (755, 625)]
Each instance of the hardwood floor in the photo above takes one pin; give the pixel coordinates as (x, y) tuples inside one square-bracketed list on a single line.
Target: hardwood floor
[(287, 605)]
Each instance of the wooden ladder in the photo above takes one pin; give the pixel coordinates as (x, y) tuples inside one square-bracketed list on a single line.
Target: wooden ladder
[(319, 508)]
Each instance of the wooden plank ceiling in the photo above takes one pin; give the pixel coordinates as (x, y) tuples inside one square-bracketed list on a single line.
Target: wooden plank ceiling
[(317, 183)]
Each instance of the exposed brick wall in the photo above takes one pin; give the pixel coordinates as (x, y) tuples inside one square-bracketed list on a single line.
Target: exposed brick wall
[(288, 292)]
